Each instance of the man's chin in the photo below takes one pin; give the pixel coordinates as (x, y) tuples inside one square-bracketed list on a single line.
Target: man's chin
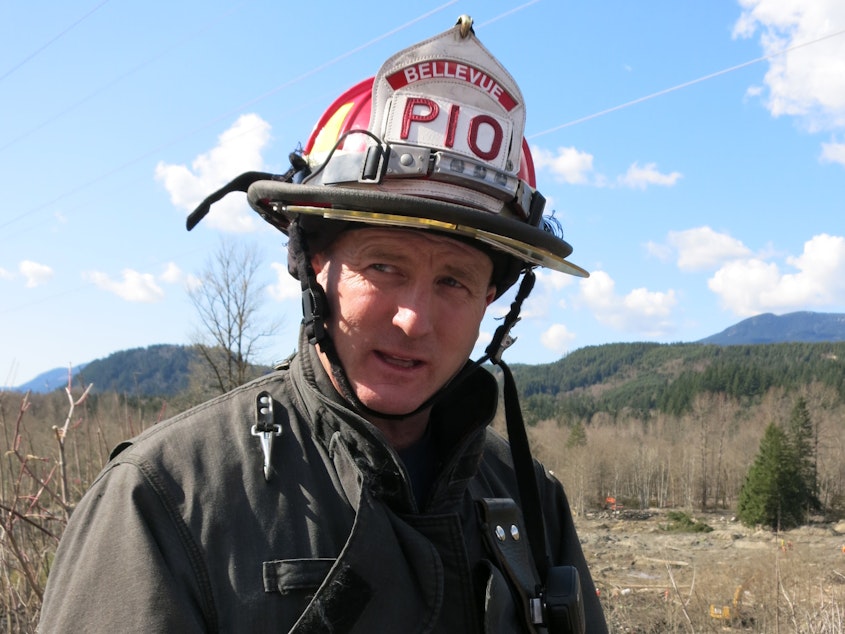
[(388, 404), (391, 409)]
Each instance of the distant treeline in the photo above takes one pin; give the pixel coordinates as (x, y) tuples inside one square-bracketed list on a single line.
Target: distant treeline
[(160, 370), (640, 378), (632, 378)]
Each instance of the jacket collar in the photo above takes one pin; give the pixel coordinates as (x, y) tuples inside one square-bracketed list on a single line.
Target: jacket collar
[(459, 422)]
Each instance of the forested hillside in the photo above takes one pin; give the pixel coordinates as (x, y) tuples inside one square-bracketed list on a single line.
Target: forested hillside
[(647, 378), (160, 370), (679, 425), (653, 424)]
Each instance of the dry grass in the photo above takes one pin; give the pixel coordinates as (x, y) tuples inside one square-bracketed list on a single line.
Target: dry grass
[(651, 580), (53, 447)]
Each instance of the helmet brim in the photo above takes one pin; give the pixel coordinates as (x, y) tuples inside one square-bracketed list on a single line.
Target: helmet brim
[(277, 202)]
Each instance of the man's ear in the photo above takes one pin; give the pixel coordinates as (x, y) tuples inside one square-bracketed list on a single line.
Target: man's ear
[(318, 262), (491, 294)]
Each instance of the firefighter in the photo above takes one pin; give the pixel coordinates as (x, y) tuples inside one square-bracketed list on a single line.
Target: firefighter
[(358, 488)]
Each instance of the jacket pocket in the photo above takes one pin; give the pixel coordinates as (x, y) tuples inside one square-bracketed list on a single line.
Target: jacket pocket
[(290, 576)]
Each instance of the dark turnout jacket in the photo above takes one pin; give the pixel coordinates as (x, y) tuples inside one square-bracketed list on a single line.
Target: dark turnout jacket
[(181, 532)]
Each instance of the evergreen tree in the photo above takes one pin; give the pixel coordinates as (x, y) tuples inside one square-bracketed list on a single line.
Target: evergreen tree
[(802, 446), (577, 436), (773, 494)]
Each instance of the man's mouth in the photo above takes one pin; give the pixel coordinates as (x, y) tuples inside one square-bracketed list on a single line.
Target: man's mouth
[(399, 362)]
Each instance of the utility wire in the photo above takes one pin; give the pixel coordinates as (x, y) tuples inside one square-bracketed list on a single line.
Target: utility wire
[(507, 13), (686, 84), (253, 101), (228, 113), (120, 78), (245, 105), (51, 41), (118, 191), (333, 61)]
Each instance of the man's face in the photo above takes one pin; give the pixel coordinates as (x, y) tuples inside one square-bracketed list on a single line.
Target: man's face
[(405, 308)]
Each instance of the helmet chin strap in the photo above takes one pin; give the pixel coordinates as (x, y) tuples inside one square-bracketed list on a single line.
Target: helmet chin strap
[(315, 311)]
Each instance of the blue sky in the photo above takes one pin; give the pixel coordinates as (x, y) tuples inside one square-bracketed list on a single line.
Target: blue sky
[(694, 153)]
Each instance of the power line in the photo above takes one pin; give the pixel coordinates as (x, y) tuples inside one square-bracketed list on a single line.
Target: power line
[(120, 78), (216, 119), (41, 48), (242, 106), (686, 84), (120, 190), (329, 63), (507, 13)]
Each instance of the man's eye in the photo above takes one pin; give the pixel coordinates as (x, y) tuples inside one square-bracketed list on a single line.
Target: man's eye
[(451, 281)]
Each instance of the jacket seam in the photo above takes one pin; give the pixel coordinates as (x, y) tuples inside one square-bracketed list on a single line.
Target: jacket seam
[(192, 551)]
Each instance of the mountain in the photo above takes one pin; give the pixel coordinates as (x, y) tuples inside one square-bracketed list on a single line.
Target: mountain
[(806, 327), (162, 370), (49, 380), (159, 370), (670, 378)]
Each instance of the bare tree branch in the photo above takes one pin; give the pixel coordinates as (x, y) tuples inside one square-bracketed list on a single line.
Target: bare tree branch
[(228, 302)]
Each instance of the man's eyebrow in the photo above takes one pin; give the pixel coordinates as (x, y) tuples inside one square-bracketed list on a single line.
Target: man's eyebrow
[(473, 273), (400, 252), (393, 251)]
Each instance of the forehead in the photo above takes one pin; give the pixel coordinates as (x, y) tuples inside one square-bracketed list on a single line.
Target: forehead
[(411, 243)]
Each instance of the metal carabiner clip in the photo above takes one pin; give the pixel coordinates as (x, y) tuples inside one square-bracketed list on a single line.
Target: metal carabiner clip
[(266, 429)]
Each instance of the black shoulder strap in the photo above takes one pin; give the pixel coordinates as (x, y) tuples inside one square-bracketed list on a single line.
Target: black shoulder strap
[(526, 476)]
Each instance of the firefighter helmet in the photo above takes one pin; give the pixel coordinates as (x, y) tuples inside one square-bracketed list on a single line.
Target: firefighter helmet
[(434, 141)]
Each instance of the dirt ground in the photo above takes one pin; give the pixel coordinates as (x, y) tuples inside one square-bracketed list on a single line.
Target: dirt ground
[(655, 580)]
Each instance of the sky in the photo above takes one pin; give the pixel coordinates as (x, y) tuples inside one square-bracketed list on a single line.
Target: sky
[(693, 152)]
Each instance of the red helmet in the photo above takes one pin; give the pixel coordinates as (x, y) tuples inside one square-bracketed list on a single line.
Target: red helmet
[(434, 141), (351, 111)]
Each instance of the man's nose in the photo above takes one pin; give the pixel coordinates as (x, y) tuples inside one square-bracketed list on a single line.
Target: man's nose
[(415, 312)]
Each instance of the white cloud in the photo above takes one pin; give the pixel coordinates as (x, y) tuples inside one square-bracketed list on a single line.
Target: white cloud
[(551, 280), (598, 291), (6, 275), (547, 291), (535, 307), (808, 82), (134, 287), (557, 338), (574, 167), (174, 275), (568, 165), (702, 248), (833, 153), (484, 339), (35, 274), (238, 150), (641, 177), (286, 287), (646, 313), (751, 286), (660, 251)]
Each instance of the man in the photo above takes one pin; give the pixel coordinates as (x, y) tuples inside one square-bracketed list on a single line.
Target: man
[(358, 488)]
